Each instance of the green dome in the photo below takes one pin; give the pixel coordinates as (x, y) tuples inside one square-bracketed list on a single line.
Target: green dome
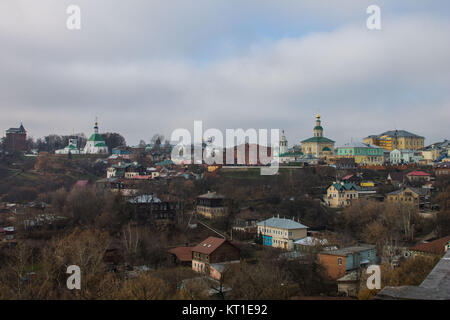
[(318, 139), (318, 128), (101, 144), (326, 149), (96, 137)]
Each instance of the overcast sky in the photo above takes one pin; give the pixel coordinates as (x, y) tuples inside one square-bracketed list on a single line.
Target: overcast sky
[(152, 66)]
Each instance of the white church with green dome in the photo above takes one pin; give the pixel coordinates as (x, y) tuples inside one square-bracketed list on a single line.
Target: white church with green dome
[(95, 144), (71, 148)]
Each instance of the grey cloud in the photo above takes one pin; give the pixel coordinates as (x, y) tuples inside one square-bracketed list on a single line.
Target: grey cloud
[(153, 66)]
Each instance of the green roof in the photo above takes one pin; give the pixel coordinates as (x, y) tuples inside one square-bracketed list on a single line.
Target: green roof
[(291, 154), (318, 128), (318, 139), (100, 144), (345, 186), (164, 163), (326, 149), (96, 137)]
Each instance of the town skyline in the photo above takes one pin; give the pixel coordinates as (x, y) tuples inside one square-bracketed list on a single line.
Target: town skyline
[(291, 143), (271, 66)]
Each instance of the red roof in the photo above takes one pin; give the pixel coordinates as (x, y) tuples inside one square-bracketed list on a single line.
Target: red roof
[(81, 183), (418, 173), (209, 245), (347, 177), (142, 177), (183, 254), (436, 246)]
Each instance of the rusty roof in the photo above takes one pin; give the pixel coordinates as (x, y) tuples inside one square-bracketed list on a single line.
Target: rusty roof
[(209, 245), (183, 253), (436, 246)]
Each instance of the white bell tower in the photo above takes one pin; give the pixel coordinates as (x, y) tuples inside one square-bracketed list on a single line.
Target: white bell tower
[(283, 143)]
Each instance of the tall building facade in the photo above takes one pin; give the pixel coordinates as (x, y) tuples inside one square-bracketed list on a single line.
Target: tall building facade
[(396, 139), (16, 139)]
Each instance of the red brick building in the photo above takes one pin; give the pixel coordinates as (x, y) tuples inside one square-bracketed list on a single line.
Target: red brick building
[(16, 139)]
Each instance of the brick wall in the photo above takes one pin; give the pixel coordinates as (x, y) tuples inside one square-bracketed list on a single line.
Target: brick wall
[(331, 265)]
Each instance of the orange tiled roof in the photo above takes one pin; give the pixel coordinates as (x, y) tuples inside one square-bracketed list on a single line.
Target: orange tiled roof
[(436, 246)]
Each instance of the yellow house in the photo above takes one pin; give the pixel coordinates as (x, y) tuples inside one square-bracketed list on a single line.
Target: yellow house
[(409, 195), (281, 232), (396, 139), (341, 194)]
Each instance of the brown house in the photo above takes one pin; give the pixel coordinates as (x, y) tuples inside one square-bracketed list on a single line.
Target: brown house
[(437, 247), (211, 205), (419, 197), (211, 251), (182, 255)]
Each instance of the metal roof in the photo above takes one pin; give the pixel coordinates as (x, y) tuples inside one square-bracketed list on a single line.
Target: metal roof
[(359, 145), (349, 250), (396, 133), (211, 195), (209, 245), (281, 223), (318, 139), (436, 285)]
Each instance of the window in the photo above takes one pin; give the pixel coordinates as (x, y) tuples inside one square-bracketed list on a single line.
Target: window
[(340, 261)]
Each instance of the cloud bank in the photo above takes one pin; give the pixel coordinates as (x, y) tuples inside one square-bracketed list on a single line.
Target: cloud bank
[(153, 66)]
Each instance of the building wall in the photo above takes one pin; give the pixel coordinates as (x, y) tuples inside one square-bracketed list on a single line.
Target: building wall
[(418, 178), (431, 155), (337, 199), (226, 252), (211, 212), (16, 142), (316, 148), (350, 262), (281, 238), (405, 197), (334, 268), (391, 143), (199, 266), (348, 288)]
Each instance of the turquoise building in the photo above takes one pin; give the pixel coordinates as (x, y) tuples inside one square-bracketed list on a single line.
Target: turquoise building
[(363, 153)]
